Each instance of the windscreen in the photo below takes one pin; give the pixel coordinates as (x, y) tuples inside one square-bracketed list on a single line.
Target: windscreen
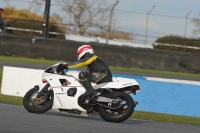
[(52, 69)]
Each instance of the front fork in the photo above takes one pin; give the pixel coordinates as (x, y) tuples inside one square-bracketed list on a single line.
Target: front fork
[(42, 90)]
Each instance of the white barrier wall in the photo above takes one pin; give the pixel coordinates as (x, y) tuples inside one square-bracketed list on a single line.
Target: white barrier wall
[(17, 81)]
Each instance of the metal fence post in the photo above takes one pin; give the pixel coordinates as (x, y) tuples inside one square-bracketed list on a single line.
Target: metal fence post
[(46, 18), (186, 18), (147, 24)]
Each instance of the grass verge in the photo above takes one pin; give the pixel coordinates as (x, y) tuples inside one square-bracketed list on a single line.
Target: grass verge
[(113, 68), (166, 118), (137, 70), (27, 60), (136, 115)]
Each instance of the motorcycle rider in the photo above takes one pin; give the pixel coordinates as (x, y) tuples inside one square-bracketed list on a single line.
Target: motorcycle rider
[(97, 70)]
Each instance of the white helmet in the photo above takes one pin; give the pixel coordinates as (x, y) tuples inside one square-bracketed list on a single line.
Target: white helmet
[(82, 50)]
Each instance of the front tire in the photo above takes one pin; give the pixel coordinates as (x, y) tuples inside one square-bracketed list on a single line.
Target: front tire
[(119, 114), (38, 105)]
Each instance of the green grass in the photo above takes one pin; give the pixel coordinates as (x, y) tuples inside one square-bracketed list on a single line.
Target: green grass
[(136, 115), (155, 72), (165, 118), (51, 62), (27, 60), (10, 99)]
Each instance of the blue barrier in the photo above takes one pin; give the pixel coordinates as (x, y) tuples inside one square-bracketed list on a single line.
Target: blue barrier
[(165, 97)]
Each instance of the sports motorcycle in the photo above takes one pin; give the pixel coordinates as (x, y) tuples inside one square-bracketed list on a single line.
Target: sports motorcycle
[(62, 92)]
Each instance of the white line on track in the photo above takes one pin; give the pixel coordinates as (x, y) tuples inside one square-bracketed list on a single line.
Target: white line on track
[(173, 80)]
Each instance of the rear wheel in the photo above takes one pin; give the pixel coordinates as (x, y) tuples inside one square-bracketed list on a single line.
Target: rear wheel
[(38, 105), (118, 111)]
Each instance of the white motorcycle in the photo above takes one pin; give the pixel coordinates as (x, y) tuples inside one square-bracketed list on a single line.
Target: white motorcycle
[(62, 92)]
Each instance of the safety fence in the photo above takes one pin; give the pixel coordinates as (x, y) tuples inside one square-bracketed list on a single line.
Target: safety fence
[(143, 23)]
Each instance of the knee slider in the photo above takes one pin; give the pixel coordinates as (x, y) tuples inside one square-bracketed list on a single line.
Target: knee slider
[(82, 75)]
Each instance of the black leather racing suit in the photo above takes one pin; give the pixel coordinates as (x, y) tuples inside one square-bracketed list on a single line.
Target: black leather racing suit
[(97, 72)]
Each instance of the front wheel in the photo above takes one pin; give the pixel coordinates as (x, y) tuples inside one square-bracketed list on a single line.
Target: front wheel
[(119, 111), (38, 105)]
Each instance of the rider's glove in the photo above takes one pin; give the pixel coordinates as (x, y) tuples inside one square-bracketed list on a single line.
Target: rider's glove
[(61, 67)]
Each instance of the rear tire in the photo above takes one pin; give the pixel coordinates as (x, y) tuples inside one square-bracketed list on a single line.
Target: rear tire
[(32, 107), (121, 114)]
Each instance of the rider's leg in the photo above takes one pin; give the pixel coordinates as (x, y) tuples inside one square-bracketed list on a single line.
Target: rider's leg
[(87, 84), (100, 77)]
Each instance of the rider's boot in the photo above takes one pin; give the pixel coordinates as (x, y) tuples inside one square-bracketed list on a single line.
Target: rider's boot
[(88, 86)]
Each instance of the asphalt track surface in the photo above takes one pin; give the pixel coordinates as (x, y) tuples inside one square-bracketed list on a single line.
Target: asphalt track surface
[(15, 119)]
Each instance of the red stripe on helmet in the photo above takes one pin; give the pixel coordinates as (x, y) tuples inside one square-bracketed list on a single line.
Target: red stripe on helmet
[(83, 48)]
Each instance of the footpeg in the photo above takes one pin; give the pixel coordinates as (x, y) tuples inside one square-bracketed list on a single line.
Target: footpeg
[(87, 101)]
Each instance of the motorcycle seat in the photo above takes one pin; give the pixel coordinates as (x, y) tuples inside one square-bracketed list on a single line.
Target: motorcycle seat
[(99, 85)]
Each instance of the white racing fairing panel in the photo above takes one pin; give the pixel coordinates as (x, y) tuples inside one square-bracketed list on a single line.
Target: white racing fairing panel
[(119, 82)]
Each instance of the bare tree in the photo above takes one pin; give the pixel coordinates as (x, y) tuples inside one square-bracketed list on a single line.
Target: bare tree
[(36, 5), (7, 2), (84, 14)]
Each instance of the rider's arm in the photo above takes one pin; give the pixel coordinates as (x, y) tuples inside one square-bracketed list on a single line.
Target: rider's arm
[(82, 62)]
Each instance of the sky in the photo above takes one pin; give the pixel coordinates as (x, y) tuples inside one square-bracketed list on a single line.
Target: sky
[(167, 17)]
